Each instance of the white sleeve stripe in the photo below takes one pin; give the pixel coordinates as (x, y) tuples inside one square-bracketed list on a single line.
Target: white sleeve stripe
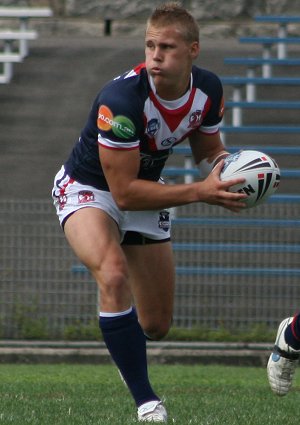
[(209, 130), (117, 145)]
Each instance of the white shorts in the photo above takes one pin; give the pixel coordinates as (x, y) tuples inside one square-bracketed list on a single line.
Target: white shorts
[(136, 227)]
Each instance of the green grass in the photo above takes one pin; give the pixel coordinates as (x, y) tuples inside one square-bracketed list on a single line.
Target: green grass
[(88, 394)]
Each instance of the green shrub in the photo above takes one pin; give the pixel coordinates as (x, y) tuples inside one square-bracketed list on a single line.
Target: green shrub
[(82, 332), (26, 323), (257, 333)]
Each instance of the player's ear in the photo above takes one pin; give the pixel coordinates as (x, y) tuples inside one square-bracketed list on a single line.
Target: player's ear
[(195, 49)]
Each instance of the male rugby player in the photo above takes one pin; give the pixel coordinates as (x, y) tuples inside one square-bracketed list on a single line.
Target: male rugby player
[(113, 205)]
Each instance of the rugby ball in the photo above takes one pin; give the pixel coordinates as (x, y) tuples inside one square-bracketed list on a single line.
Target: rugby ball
[(260, 171)]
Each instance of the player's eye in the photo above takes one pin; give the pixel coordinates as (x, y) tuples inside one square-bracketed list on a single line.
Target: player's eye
[(150, 45)]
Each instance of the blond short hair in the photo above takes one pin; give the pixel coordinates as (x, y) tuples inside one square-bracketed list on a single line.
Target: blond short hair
[(172, 13)]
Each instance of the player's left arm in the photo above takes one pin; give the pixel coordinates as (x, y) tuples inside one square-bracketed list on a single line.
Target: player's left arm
[(207, 150), (206, 144)]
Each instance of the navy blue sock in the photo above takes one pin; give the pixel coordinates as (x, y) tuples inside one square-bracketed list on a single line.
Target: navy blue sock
[(126, 343), (292, 333)]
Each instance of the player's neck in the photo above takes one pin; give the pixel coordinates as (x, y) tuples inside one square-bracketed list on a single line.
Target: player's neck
[(171, 92)]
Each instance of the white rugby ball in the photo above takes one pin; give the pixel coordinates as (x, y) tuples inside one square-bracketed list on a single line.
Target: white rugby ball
[(260, 171)]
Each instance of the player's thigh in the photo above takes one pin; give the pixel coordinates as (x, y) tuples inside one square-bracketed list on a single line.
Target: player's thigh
[(152, 280), (92, 233)]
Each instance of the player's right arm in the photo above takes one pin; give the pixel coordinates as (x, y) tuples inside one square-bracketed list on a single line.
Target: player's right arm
[(121, 167)]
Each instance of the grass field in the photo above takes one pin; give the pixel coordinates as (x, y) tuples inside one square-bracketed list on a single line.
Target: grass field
[(94, 395)]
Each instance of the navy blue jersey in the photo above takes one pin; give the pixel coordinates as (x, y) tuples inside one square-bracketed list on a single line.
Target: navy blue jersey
[(128, 114)]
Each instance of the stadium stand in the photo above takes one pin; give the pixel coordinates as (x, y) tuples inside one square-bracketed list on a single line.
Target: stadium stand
[(265, 64), (267, 44), (268, 64), (237, 107), (282, 22), (281, 41), (251, 83), (23, 35), (7, 60), (9, 37)]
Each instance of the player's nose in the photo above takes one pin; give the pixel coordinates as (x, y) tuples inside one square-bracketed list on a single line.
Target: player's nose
[(157, 53)]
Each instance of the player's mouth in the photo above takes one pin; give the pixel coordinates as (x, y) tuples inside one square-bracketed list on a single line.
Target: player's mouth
[(156, 71)]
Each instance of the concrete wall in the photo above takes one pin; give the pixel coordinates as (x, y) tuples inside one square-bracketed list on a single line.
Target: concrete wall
[(202, 9), (217, 18)]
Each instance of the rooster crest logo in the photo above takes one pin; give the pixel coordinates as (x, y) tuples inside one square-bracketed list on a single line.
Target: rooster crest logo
[(195, 119)]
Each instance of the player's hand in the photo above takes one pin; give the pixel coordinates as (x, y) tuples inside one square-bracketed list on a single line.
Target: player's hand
[(216, 191)]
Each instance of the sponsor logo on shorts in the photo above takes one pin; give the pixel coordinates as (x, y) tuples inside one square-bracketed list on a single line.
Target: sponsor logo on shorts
[(85, 196), (120, 125), (195, 119), (62, 200), (164, 220)]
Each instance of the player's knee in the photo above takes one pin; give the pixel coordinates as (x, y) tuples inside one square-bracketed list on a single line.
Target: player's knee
[(111, 270), (157, 330), (113, 283)]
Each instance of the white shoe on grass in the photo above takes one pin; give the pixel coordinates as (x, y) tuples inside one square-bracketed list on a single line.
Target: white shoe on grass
[(282, 362), (152, 411)]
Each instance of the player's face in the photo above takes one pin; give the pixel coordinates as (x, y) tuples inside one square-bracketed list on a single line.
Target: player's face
[(169, 60)]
